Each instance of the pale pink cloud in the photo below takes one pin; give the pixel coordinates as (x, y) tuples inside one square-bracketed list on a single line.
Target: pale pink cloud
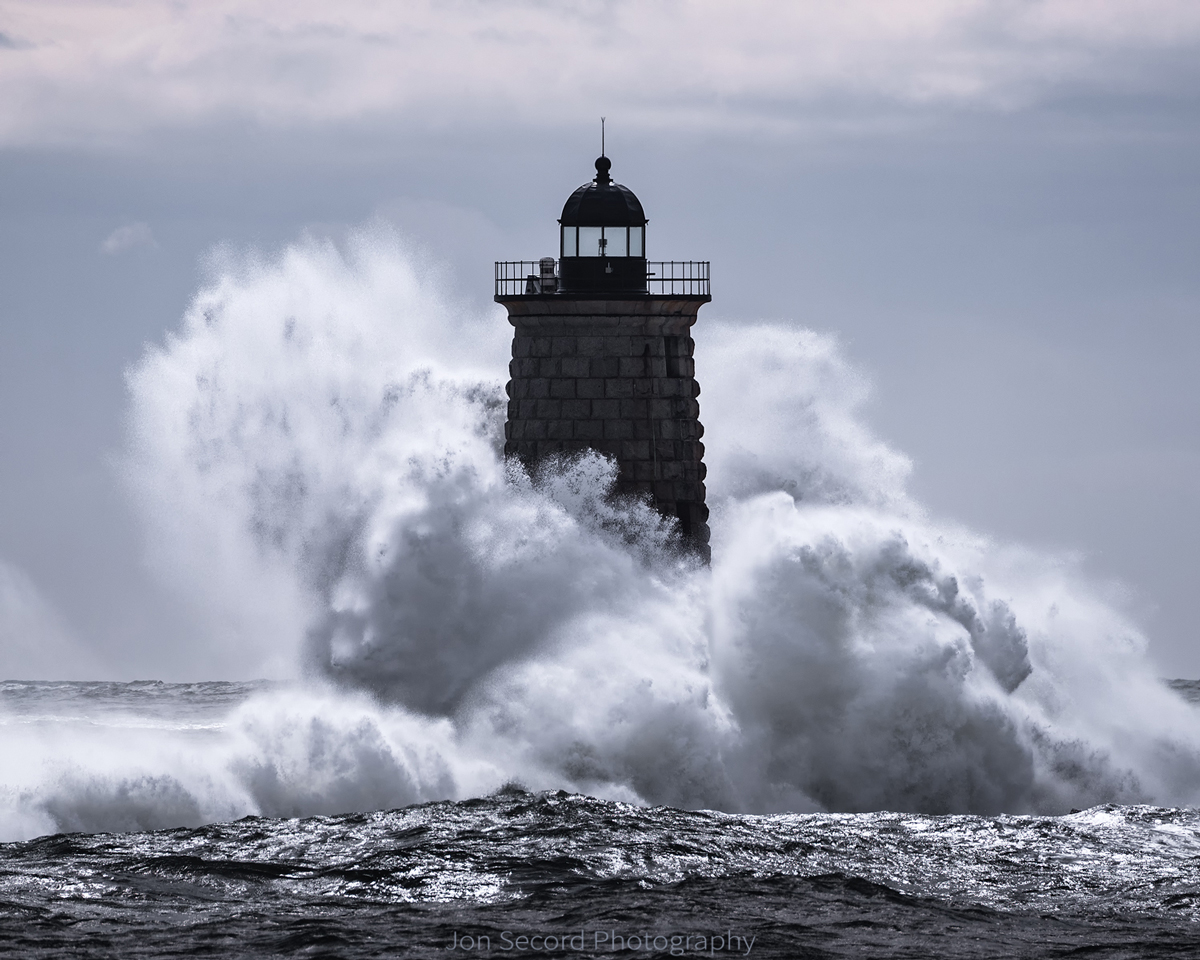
[(78, 71)]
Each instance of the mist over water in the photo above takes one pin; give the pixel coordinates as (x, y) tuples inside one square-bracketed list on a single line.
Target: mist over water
[(317, 453)]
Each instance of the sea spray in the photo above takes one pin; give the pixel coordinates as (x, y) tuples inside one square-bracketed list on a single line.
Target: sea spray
[(316, 452)]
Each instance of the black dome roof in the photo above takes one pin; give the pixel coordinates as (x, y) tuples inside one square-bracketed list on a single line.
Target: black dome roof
[(603, 203)]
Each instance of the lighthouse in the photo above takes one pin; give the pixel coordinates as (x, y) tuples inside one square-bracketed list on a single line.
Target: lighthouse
[(602, 354)]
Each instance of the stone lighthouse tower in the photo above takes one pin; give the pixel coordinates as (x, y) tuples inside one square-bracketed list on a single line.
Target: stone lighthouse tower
[(602, 353)]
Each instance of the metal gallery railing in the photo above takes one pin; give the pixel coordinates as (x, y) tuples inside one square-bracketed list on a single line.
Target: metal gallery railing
[(687, 278), (516, 278), (680, 278)]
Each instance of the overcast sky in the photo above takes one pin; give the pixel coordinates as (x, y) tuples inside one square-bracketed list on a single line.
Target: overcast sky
[(994, 203)]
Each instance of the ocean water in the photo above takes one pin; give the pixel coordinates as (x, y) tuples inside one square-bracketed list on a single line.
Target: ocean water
[(576, 875), (504, 705)]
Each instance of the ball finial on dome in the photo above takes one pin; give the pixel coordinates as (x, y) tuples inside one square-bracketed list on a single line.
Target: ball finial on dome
[(603, 165)]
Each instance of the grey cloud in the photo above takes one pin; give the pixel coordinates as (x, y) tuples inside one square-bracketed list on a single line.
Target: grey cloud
[(104, 74), (127, 237), (35, 642)]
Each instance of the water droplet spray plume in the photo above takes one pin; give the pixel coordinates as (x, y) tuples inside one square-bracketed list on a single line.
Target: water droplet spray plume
[(316, 454)]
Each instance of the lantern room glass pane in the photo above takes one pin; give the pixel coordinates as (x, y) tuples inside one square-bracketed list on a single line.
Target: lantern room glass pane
[(591, 241), (636, 246), (568, 242), (616, 241)]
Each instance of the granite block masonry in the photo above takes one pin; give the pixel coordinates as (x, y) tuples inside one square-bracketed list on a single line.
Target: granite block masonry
[(603, 358)]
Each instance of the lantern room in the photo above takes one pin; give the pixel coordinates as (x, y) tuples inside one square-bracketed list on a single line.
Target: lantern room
[(602, 235)]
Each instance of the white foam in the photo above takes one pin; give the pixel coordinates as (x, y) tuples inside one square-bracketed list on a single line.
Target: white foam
[(317, 455)]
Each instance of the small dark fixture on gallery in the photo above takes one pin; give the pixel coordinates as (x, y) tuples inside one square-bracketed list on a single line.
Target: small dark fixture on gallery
[(602, 353)]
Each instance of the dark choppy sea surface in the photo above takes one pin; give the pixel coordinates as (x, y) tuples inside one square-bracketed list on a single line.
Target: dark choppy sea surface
[(556, 874)]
